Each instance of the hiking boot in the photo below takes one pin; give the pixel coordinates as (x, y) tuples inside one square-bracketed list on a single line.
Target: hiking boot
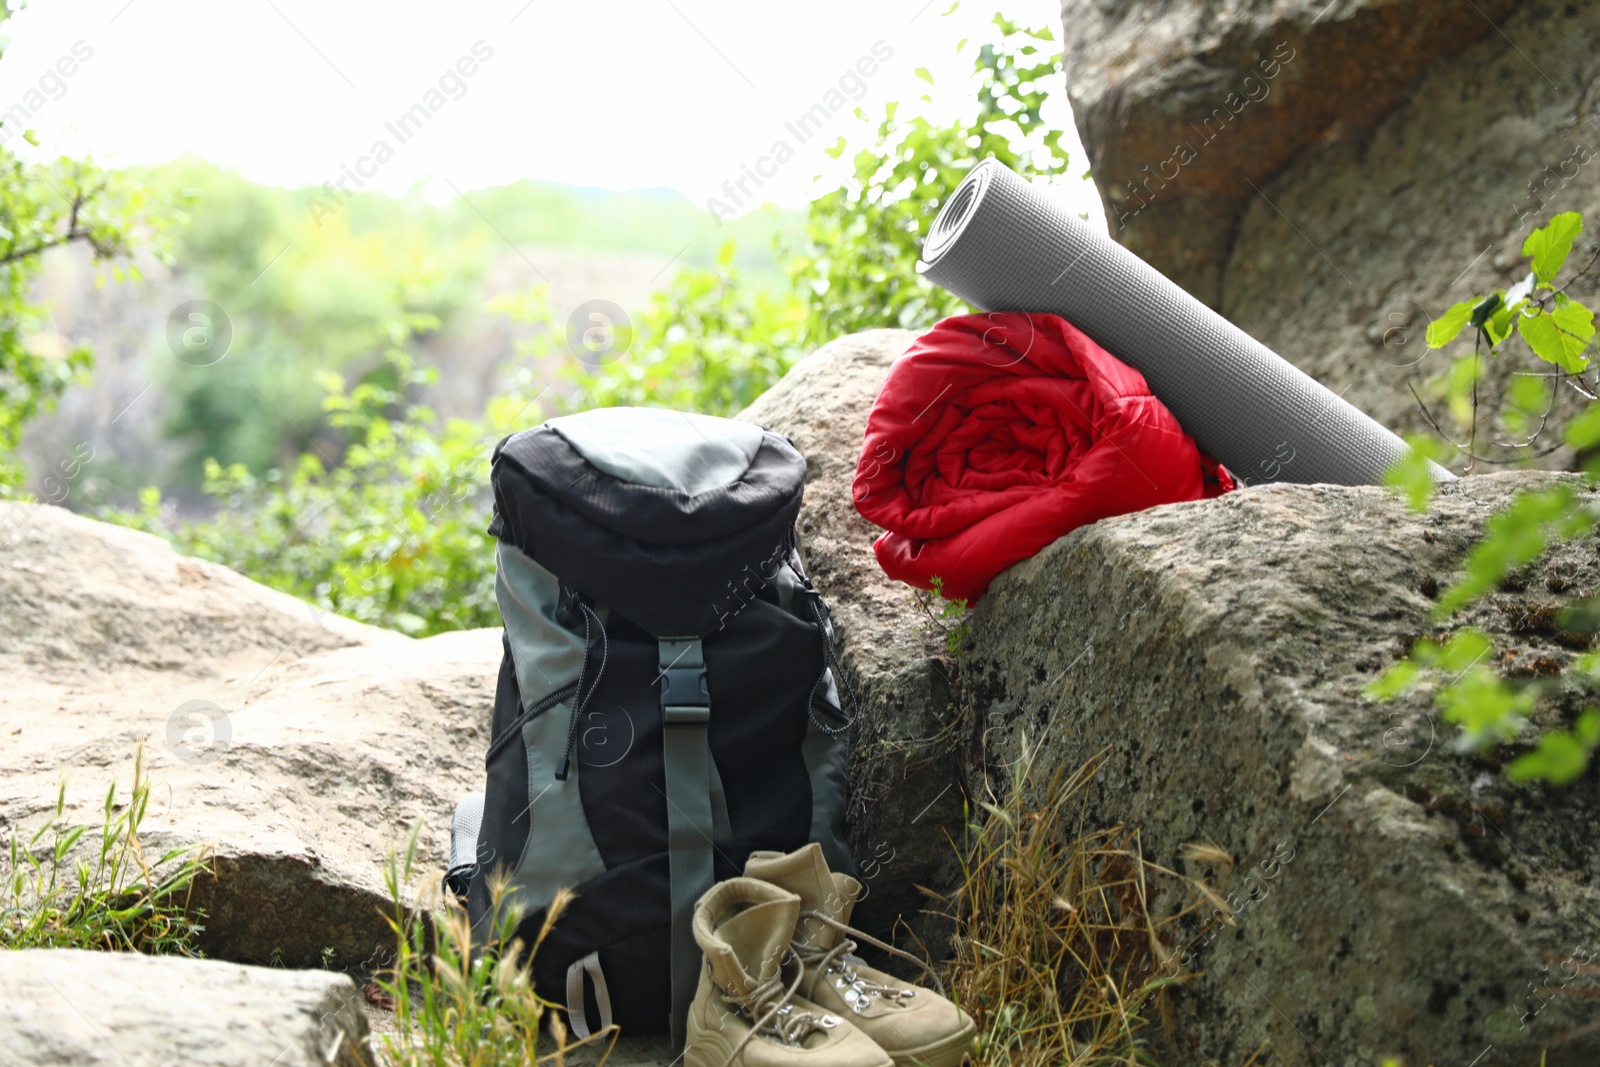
[(913, 1025), (746, 1008)]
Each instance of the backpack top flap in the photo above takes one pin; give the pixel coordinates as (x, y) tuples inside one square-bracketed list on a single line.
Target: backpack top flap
[(653, 513)]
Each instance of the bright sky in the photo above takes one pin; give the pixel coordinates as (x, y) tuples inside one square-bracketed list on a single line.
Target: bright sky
[(611, 93)]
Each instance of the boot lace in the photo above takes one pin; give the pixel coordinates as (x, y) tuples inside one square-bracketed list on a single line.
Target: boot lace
[(771, 1011), (839, 960)]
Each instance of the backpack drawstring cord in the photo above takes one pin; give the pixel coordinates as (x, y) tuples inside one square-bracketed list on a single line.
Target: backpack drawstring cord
[(581, 699), (847, 694)]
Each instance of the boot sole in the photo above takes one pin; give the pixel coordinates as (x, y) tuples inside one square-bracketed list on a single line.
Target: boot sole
[(950, 1052), (711, 1048)]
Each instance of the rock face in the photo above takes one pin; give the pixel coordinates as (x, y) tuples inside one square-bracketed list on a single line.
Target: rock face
[(1392, 167), (1187, 107), (1220, 649), (122, 1010), (903, 778), (299, 745)]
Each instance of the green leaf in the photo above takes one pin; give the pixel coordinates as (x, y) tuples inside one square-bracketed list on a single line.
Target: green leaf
[(1560, 758), (64, 845), (1464, 650), (838, 148), (1485, 706), (922, 72), (1499, 326), (1575, 319), (1413, 472), (1484, 308), (1394, 681), (1443, 330), (1587, 729), (1552, 243), (1513, 538), (1553, 344), (1584, 429)]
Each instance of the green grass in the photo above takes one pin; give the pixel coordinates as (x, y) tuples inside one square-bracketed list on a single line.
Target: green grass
[(54, 894), (452, 1010)]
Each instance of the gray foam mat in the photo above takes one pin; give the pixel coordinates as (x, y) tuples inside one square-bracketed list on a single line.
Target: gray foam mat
[(1003, 245)]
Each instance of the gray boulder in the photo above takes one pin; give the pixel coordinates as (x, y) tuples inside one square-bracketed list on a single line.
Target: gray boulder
[(1415, 898), (301, 747), (1187, 108), (123, 1010)]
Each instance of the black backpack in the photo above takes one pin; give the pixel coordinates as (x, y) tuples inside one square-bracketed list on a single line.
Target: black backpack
[(665, 703)]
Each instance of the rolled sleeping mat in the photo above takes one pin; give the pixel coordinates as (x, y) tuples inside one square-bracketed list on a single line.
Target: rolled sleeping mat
[(1001, 244)]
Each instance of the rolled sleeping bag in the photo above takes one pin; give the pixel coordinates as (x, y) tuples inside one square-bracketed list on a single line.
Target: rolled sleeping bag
[(1001, 244)]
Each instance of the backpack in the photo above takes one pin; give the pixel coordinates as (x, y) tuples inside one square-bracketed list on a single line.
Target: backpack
[(668, 700)]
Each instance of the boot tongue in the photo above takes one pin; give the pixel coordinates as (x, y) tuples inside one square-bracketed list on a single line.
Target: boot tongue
[(759, 937), (805, 873)]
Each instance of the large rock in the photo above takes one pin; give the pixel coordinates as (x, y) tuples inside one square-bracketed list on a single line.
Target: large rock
[(1246, 89), (903, 771), (300, 746), (121, 1010), (1393, 168), (1220, 648), (1512, 119)]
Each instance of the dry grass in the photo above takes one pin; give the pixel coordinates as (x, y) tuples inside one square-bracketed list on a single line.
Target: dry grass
[(1057, 953), (454, 1009)]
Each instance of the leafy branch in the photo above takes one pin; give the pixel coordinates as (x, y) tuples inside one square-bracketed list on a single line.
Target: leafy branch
[(1556, 328), (1491, 709)]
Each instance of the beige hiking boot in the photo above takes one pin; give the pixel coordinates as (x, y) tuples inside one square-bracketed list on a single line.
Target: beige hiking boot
[(913, 1025), (745, 1009)]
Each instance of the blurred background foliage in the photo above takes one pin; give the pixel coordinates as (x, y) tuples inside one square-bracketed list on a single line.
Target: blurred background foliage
[(368, 497), (327, 289), (58, 204)]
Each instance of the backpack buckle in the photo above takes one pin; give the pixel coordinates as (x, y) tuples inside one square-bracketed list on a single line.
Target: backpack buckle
[(685, 693)]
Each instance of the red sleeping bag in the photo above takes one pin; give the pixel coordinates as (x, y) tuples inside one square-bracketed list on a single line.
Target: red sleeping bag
[(997, 433)]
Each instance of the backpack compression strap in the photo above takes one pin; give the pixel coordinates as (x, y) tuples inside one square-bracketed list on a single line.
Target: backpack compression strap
[(685, 711)]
